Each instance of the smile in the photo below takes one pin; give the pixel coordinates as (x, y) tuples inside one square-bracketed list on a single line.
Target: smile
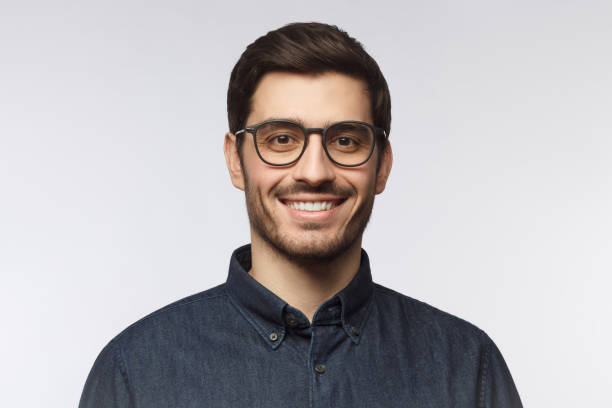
[(312, 205)]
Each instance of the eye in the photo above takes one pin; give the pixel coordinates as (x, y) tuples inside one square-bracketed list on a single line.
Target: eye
[(345, 137), (345, 141), (280, 139)]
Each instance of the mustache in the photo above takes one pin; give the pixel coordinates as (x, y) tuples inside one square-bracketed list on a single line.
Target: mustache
[(323, 188)]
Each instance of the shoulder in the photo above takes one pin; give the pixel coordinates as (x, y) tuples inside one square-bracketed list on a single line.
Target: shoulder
[(421, 318), (201, 308), (448, 342), (149, 342)]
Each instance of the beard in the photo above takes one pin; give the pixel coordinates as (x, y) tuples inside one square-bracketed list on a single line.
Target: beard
[(310, 245)]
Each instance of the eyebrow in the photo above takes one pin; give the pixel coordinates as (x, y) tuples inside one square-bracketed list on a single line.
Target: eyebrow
[(298, 121)]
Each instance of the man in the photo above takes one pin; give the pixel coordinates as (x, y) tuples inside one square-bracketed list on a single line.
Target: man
[(299, 322)]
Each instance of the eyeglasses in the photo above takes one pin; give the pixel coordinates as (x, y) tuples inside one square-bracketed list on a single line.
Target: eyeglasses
[(282, 142)]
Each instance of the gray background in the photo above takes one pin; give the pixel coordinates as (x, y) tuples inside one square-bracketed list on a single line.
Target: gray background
[(115, 198)]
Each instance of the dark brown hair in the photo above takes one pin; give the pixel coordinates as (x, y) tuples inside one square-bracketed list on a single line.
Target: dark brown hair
[(306, 48)]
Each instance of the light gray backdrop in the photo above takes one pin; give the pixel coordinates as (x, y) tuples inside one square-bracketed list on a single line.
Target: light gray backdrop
[(115, 199)]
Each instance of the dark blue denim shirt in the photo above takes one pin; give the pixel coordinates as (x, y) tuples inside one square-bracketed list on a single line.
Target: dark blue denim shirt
[(240, 345)]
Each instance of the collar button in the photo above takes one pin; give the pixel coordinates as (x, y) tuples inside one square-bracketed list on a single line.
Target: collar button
[(273, 336), (355, 331)]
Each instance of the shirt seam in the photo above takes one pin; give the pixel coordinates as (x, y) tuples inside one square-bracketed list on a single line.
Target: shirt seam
[(165, 310), (366, 316), (384, 290), (390, 293), (123, 369), (485, 377), (311, 375), (258, 327)]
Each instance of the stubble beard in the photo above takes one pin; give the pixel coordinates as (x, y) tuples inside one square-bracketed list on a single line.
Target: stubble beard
[(310, 247)]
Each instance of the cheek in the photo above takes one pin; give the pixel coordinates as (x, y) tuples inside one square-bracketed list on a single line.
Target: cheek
[(362, 179), (261, 177)]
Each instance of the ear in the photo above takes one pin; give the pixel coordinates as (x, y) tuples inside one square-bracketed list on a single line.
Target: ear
[(385, 168), (234, 166)]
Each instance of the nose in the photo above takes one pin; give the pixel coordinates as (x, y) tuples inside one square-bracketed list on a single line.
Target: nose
[(314, 167)]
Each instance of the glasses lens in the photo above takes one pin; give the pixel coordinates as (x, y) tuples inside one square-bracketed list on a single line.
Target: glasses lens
[(279, 142), (349, 143)]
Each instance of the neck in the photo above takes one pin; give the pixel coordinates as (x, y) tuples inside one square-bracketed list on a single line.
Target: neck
[(304, 285)]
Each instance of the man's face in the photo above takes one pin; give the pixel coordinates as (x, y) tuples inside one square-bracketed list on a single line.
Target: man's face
[(274, 194)]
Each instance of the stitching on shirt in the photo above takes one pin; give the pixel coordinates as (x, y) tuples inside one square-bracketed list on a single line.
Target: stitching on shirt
[(386, 291), (484, 378), (257, 326), (368, 313), (123, 369), (432, 309), (370, 306), (260, 329), (166, 309), (311, 375)]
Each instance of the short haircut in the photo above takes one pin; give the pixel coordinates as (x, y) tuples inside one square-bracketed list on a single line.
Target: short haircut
[(305, 48)]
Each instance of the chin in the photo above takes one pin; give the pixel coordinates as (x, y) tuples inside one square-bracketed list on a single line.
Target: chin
[(311, 249)]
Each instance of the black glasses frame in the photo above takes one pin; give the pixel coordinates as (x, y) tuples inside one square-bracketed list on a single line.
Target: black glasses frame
[(376, 131)]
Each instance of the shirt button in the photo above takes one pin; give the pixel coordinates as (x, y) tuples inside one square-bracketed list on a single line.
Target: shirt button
[(319, 368), (273, 336), (355, 331), (292, 321)]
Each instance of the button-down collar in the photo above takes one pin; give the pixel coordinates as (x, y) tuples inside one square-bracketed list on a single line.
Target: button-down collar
[(272, 317)]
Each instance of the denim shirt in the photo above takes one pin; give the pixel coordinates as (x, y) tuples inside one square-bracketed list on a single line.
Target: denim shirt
[(240, 345)]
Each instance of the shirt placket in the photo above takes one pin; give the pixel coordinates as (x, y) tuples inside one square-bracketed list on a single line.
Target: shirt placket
[(327, 336)]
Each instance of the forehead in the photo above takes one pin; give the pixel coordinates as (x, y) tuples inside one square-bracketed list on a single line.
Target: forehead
[(313, 99)]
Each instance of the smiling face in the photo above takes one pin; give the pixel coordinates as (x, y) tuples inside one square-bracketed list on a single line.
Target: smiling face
[(313, 209)]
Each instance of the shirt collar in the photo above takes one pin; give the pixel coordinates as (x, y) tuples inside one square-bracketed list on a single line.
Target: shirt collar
[(272, 317)]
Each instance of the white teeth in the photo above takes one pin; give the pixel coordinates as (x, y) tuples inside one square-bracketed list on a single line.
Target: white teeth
[(310, 205)]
